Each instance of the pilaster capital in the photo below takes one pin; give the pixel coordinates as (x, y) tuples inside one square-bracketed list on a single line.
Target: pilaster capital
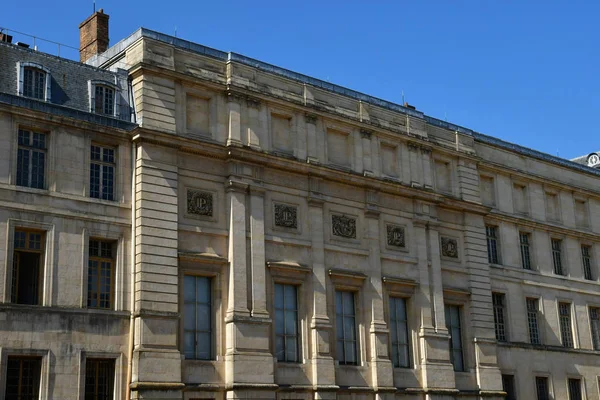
[(256, 190), (310, 118), (315, 200), (253, 102), (412, 146), (234, 185), (234, 97), (365, 133), (426, 150)]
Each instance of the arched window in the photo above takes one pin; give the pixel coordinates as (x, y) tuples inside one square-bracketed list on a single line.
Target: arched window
[(34, 81), (103, 98)]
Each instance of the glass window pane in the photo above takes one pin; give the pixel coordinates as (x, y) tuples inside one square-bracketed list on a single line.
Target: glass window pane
[(349, 328), (280, 348), (189, 317), (279, 322), (290, 297), (339, 350), (278, 296), (348, 303), (203, 345), (189, 342), (291, 347), (203, 317), (350, 353), (202, 290), (290, 323), (189, 288)]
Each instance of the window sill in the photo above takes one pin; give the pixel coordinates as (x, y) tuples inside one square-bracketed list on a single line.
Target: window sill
[(55, 309), (47, 192), (545, 347)]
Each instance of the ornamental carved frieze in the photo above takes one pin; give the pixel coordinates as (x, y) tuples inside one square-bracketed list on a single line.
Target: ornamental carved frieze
[(199, 203), (395, 236), (286, 216), (449, 247), (343, 226)]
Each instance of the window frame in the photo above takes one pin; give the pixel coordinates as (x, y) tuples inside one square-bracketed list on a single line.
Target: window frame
[(113, 261), (513, 380), (117, 357), (587, 261), (92, 97), (112, 381), (558, 265), (567, 341), (15, 265), (408, 343), (500, 327), (526, 250), (538, 314), (547, 385), (211, 332), (31, 149), (285, 312), (580, 387), (461, 331), (21, 65), (101, 175), (42, 354), (495, 239), (594, 326)]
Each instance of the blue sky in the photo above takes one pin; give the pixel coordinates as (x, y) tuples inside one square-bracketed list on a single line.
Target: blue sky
[(524, 71)]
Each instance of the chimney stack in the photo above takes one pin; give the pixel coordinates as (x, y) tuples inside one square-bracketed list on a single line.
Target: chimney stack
[(93, 35)]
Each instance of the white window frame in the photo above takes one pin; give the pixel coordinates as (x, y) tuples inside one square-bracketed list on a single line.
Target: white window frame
[(21, 77), (92, 96)]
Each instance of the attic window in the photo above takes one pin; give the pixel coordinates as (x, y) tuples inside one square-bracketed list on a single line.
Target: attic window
[(103, 98), (33, 81)]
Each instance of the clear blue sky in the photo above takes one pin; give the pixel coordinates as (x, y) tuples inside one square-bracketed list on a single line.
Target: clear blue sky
[(524, 71)]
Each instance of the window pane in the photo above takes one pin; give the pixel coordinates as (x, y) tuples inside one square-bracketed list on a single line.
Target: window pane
[(197, 317), (189, 317), (280, 347), (99, 379), (189, 288), (290, 323), (203, 317), (23, 167), (23, 377), (291, 347), (189, 342), (290, 297)]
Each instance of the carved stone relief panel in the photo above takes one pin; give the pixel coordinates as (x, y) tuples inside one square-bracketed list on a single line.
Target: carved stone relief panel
[(285, 215), (343, 226), (199, 202), (395, 236), (449, 247)]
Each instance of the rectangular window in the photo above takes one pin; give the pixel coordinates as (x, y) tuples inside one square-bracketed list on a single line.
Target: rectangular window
[(102, 173), (23, 378), (498, 300), (532, 321), (566, 331), (100, 274), (104, 100), (595, 323), (525, 250), (345, 318), (31, 159), (492, 244), (454, 329), (587, 262), (574, 389), (399, 333), (197, 317), (542, 389), (557, 256), (508, 385), (286, 323), (99, 379), (34, 83), (27, 267)]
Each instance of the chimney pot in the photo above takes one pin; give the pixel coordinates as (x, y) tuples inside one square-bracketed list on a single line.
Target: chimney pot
[(93, 35)]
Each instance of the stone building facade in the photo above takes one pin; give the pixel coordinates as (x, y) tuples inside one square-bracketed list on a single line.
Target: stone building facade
[(281, 237)]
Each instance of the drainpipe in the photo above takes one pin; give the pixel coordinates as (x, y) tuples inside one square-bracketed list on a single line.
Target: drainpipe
[(132, 283)]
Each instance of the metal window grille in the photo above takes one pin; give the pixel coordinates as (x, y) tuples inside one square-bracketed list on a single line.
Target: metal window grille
[(100, 274), (34, 83), (575, 389), (454, 328), (102, 173), (532, 321), (99, 379), (595, 323), (498, 300), (27, 265), (492, 244), (541, 385), (23, 378), (197, 317), (508, 385), (104, 100), (399, 332), (525, 251), (286, 323), (345, 318), (31, 159), (587, 262), (557, 256), (566, 332)]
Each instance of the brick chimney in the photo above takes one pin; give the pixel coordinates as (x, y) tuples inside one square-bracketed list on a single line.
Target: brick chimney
[(93, 35)]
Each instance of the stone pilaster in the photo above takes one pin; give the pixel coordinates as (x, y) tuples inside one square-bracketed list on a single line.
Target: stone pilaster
[(415, 163), (322, 364), (257, 252), (427, 171), (156, 368), (382, 374), (311, 138), (234, 137), (436, 369), (480, 305), (367, 157)]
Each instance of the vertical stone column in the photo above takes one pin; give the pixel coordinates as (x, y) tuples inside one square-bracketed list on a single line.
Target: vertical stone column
[(382, 374), (156, 362), (367, 157), (480, 305), (253, 105), (437, 371), (234, 137), (247, 334), (322, 364), (427, 171), (416, 168), (311, 137), (257, 252)]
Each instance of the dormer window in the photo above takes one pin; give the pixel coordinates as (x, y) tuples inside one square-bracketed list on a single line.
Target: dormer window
[(103, 98), (34, 81), (104, 101)]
